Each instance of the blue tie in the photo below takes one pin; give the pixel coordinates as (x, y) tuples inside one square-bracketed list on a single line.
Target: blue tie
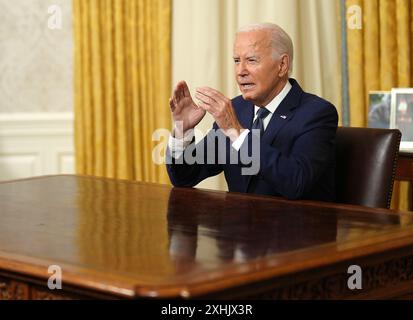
[(259, 121)]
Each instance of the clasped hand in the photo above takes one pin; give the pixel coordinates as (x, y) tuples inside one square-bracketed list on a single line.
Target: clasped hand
[(188, 114)]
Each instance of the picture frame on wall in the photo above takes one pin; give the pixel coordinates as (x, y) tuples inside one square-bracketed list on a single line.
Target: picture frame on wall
[(379, 114), (402, 115)]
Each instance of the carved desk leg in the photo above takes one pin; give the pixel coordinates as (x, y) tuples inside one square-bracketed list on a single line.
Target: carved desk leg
[(20, 291), (5, 293), (13, 290)]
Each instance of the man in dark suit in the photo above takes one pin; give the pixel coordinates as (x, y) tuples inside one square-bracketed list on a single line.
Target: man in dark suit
[(289, 133)]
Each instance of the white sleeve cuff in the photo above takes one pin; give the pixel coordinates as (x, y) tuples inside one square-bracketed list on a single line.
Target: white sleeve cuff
[(240, 140), (177, 146)]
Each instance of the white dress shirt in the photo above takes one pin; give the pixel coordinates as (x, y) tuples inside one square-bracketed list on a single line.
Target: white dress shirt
[(177, 146)]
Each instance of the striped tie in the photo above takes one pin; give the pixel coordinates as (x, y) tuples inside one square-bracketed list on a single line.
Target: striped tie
[(259, 121)]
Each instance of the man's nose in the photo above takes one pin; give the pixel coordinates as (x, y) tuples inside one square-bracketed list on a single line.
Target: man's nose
[(242, 70)]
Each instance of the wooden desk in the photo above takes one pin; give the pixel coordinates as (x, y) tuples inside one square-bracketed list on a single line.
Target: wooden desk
[(119, 239), (404, 172)]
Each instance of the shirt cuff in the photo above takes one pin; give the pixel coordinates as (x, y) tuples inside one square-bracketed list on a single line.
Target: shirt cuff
[(178, 146), (239, 141)]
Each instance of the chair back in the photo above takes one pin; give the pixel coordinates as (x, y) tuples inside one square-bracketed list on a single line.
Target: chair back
[(366, 161)]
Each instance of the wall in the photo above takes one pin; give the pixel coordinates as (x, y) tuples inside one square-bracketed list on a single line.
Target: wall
[(36, 88)]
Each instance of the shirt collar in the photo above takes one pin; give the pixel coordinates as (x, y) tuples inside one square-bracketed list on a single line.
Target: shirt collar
[(273, 105)]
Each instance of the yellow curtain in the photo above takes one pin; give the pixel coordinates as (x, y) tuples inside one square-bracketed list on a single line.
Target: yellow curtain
[(122, 86), (380, 58)]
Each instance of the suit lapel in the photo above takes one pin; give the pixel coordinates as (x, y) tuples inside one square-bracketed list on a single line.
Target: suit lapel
[(246, 114), (283, 113)]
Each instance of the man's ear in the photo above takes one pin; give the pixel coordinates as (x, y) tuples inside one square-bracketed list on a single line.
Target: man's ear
[(284, 65)]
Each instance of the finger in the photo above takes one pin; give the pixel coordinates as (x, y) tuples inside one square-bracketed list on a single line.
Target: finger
[(215, 95), (176, 94), (211, 92), (175, 101), (207, 108), (181, 94), (204, 106), (205, 99), (172, 104), (186, 90)]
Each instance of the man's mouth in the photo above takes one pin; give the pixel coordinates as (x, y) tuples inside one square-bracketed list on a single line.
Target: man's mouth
[(247, 86)]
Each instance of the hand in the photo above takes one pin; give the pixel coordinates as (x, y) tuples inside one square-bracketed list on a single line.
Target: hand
[(185, 113), (220, 107)]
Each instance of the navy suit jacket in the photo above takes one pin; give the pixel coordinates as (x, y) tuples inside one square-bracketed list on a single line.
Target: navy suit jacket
[(296, 155)]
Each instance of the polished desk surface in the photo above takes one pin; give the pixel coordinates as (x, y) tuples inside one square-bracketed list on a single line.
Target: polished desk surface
[(130, 239)]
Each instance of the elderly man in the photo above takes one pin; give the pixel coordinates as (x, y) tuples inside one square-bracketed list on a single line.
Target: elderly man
[(296, 130)]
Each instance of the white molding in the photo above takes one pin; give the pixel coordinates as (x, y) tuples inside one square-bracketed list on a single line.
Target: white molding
[(28, 124), (47, 137)]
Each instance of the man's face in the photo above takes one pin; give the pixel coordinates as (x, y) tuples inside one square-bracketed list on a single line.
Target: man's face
[(257, 73)]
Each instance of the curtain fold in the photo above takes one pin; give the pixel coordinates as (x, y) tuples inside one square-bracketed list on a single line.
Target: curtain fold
[(122, 86), (380, 58)]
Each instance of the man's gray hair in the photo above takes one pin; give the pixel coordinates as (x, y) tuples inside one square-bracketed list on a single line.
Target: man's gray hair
[(281, 42)]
